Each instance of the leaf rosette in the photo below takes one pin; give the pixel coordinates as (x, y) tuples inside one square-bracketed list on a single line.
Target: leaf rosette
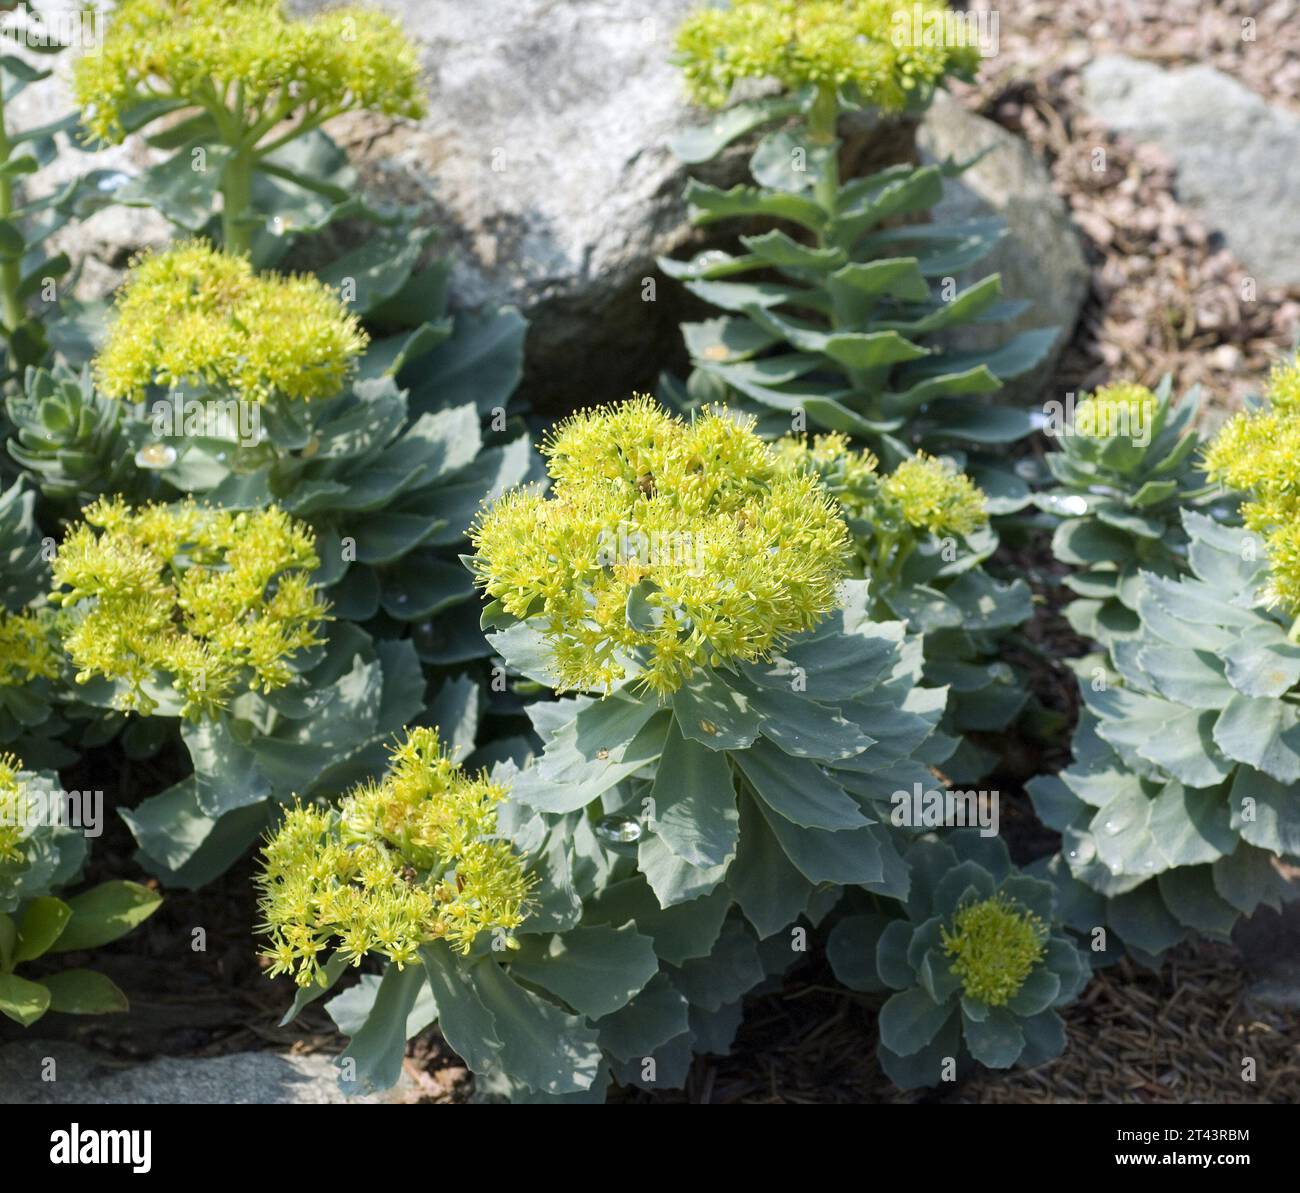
[(976, 964)]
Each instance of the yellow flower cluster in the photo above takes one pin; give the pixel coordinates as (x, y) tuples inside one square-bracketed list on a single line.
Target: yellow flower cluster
[(1124, 410), (923, 493), (27, 651), (680, 544), (1284, 387), (868, 44), (246, 61), (407, 860), (12, 796), (932, 494), (208, 597), (196, 316), (1258, 452), (850, 475), (995, 945)]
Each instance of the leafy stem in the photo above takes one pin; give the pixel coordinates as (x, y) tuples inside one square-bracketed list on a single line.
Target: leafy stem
[(11, 306), (823, 117), (236, 199)]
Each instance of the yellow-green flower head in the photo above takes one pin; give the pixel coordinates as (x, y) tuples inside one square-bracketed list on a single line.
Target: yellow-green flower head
[(932, 494), (995, 945), (1282, 544), (195, 316), (403, 861), (12, 797), (249, 55), (833, 458), (684, 544), (27, 650), (1124, 410), (212, 599), (869, 44), (1257, 452), (1284, 387)]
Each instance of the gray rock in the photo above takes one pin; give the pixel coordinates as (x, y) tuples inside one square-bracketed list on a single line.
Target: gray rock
[(1040, 259), (545, 157), (80, 1077), (1237, 156)]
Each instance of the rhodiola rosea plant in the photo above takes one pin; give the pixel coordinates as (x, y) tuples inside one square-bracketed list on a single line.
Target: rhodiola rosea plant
[(39, 856), (262, 373), (352, 397), (240, 91), (1182, 792), (723, 771), (837, 324), (921, 535), (1126, 467), (975, 960), (213, 618)]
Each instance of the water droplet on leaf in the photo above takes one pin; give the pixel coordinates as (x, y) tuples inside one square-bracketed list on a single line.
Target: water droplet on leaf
[(155, 455), (618, 830)]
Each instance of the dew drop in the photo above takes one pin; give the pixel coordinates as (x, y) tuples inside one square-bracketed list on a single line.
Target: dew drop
[(114, 180), (155, 455), (1072, 504), (618, 830)]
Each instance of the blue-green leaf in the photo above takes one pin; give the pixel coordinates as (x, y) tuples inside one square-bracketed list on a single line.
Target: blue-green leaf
[(596, 970)]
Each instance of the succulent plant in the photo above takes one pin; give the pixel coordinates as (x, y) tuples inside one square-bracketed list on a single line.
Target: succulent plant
[(213, 616), (278, 406), (841, 329), (30, 323), (249, 88), (400, 863), (976, 964), (39, 854), (1125, 469), (686, 825), (70, 439), (1182, 789), (922, 536)]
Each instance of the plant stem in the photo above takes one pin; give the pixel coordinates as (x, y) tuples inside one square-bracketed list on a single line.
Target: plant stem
[(822, 120), (11, 306), (236, 199)]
